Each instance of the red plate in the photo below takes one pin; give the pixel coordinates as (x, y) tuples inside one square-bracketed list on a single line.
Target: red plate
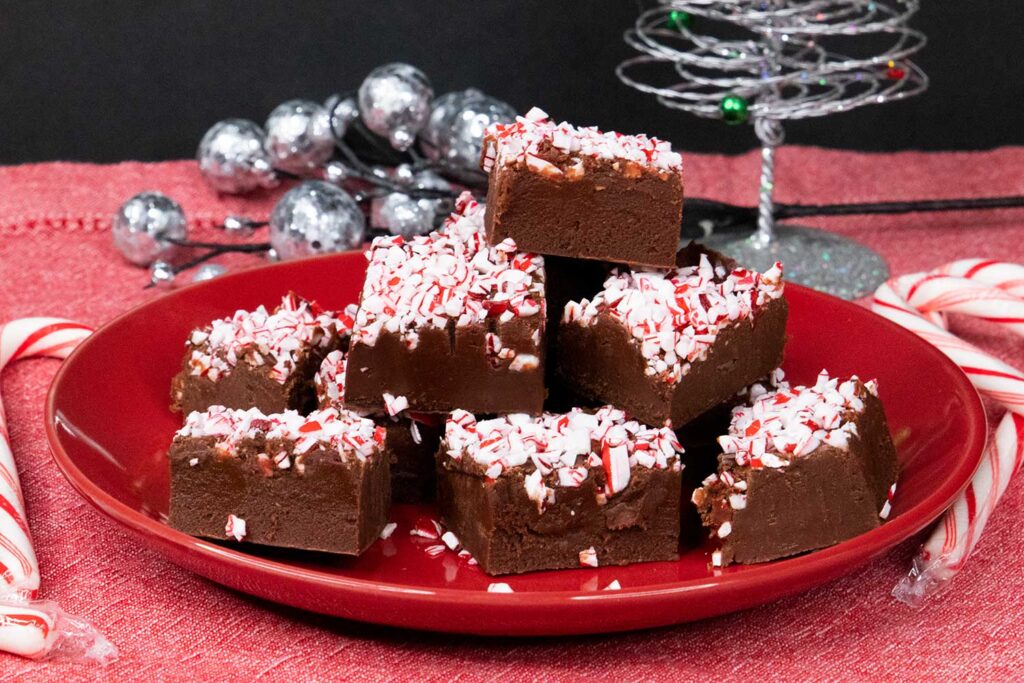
[(109, 428)]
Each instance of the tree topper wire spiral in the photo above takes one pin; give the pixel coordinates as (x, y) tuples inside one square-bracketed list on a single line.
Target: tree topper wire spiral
[(770, 61)]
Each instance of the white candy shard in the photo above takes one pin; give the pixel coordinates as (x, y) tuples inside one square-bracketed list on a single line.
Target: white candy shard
[(235, 528)]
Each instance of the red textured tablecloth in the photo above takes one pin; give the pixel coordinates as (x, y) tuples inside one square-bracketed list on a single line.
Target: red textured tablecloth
[(56, 258)]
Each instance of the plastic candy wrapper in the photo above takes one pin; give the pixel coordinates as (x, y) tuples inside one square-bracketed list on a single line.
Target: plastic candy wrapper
[(37, 629), (989, 290)]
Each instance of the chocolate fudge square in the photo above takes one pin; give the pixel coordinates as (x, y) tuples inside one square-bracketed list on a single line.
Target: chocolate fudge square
[(446, 321), (560, 491), (316, 483), (668, 346), (565, 191), (259, 359), (802, 468), (411, 442)]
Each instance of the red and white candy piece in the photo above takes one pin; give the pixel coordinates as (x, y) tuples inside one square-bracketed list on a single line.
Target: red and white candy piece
[(25, 338), (992, 291), (31, 628)]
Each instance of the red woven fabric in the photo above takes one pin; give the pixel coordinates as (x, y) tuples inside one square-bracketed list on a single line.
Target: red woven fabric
[(56, 258)]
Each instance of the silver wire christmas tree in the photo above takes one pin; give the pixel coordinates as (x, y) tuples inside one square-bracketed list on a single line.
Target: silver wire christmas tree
[(769, 61)]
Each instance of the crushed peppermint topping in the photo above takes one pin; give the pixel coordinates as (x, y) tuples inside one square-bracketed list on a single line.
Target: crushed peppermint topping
[(342, 430), (561, 447), (262, 338), (588, 557), (235, 528), (499, 588), (388, 529), (448, 276), (613, 586), (788, 422), (675, 317), (330, 379), (528, 137)]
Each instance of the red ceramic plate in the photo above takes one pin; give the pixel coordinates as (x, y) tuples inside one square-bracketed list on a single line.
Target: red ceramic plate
[(109, 428)]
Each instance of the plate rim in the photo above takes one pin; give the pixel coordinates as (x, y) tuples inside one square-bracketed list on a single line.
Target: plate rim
[(828, 560)]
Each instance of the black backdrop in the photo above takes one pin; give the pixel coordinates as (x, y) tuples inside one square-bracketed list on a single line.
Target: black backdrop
[(105, 80)]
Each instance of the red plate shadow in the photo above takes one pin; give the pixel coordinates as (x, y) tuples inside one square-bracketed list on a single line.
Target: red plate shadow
[(109, 428)]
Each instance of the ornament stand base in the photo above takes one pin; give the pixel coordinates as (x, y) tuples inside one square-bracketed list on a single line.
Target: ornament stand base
[(816, 258)]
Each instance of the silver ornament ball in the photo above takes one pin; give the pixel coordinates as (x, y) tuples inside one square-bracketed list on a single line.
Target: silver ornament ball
[(394, 102), (208, 271), (403, 215), (336, 172), (142, 224), (161, 274), (315, 218), (299, 137), (403, 174), (232, 158), (455, 131), (341, 111)]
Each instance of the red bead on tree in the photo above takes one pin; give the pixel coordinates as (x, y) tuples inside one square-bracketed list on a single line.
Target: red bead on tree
[(894, 73)]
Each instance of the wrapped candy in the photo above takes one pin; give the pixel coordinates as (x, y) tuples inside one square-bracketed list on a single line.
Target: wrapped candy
[(989, 290), (36, 629)]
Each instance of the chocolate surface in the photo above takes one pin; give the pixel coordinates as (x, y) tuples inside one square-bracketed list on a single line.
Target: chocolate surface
[(508, 534), (450, 368), (337, 504), (413, 471), (612, 211)]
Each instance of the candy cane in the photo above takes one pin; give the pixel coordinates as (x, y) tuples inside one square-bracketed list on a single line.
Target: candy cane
[(31, 628), (992, 291)]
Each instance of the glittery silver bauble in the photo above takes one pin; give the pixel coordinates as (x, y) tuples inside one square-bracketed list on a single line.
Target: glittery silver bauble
[(208, 271), (142, 223), (315, 218), (428, 180), (455, 130), (161, 274), (336, 172), (394, 102), (232, 158), (405, 216), (299, 136), (342, 111)]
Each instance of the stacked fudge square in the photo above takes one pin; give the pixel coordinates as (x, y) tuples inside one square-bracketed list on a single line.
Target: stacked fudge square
[(534, 363), (269, 454)]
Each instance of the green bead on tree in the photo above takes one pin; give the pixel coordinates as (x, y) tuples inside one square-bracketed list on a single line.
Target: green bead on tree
[(679, 19), (734, 109)]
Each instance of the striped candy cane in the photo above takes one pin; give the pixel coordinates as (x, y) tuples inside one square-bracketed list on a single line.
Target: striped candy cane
[(992, 291), (28, 627)]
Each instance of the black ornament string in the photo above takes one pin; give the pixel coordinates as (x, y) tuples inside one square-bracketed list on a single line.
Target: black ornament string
[(702, 217)]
